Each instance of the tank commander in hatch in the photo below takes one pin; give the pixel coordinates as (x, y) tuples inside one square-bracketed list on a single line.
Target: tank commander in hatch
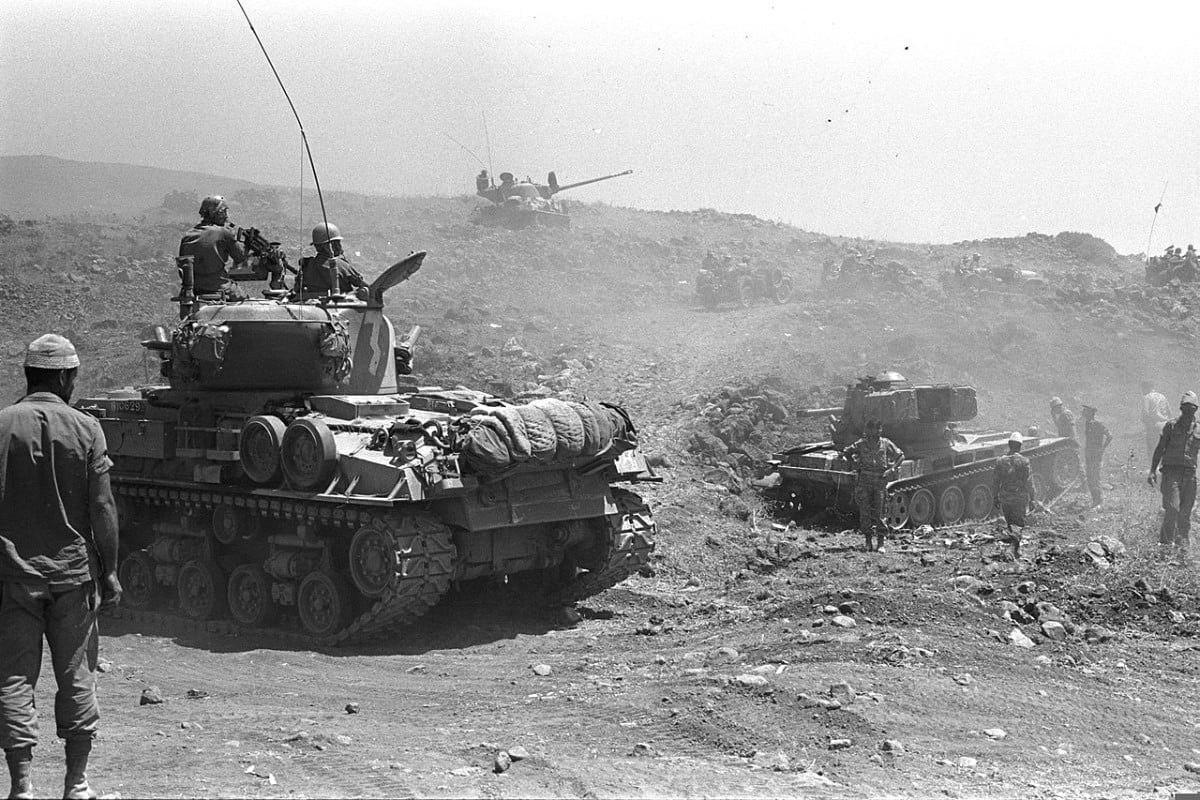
[(211, 243), (315, 271), (874, 459)]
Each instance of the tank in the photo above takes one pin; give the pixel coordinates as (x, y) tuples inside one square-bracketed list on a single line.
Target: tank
[(291, 476), (947, 473), (521, 204)]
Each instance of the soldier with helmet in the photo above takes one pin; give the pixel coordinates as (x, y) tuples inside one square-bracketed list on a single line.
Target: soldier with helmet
[(316, 271), (212, 243), (874, 459), (1014, 488), (1177, 451), (1064, 420)]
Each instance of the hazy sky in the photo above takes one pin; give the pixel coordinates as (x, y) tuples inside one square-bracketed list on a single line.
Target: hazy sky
[(915, 122)]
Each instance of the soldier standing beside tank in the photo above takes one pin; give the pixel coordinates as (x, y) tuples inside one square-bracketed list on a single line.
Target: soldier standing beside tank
[(1177, 449), (1096, 440), (58, 562), (1155, 413), (211, 243), (1064, 420), (315, 270), (874, 458), (1014, 489)]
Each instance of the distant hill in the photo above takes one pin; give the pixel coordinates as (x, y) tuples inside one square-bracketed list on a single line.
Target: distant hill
[(39, 186)]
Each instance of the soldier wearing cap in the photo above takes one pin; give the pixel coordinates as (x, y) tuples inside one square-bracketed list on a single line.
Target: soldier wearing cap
[(212, 243), (875, 459), (58, 560), (1096, 440), (315, 271), (1014, 488), (1177, 449)]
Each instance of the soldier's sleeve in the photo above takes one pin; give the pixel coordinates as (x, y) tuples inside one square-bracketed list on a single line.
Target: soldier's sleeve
[(98, 460), (236, 251)]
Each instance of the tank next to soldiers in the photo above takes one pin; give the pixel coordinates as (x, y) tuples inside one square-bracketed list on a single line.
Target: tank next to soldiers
[(291, 472), (721, 281), (520, 204), (947, 473)]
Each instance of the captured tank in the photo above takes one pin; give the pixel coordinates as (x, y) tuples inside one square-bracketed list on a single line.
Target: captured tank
[(290, 475), (520, 204), (947, 473)]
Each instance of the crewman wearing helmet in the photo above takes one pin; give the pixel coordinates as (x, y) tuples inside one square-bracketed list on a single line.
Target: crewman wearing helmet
[(315, 270), (211, 243), (875, 460), (1014, 489), (1064, 420)]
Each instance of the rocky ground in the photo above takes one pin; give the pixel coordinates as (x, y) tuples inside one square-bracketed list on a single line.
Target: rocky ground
[(758, 659)]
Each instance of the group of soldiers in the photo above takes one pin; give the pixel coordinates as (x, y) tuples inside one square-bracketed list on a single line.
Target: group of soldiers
[(1173, 265), (1172, 445), (213, 243)]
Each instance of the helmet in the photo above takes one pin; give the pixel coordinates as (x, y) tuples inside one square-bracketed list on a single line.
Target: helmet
[(506, 177), (212, 205), (1016, 437), (1189, 398), (890, 376), (325, 233), (1055, 402)]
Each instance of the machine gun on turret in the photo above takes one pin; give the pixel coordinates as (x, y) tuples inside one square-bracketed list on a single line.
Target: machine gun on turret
[(271, 261)]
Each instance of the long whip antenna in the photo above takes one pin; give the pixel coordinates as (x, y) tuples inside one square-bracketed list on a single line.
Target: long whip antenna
[(303, 136), (1155, 219), (486, 138), (465, 148)]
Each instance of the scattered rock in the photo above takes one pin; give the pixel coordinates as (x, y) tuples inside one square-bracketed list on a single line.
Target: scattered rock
[(542, 669), (462, 772), (191, 726), (1026, 587), (151, 696), (104, 665), (518, 753), (196, 694), (1044, 661), (1176, 617), (1019, 639), (502, 762), (752, 681), (964, 679), (351, 708), (843, 621), (843, 692), (893, 746), (839, 744), (1054, 630), (996, 734), (966, 762), (777, 761), (1096, 634), (643, 750), (342, 739), (1192, 766)]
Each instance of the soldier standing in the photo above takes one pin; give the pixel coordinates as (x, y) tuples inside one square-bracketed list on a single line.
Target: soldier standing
[(1096, 439), (1014, 489), (315, 270), (1155, 413), (1176, 451), (58, 562), (1064, 420), (211, 243), (874, 458)]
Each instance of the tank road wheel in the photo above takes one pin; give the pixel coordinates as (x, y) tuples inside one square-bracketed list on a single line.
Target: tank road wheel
[(309, 454), (921, 508), (325, 602), (896, 515), (979, 501), (230, 524), (1066, 468), (373, 561), (951, 505), (259, 449), (782, 291), (202, 590), (250, 600), (137, 579)]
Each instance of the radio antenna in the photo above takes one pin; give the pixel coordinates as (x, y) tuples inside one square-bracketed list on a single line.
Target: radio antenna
[(1154, 219), (486, 138), (465, 148), (303, 136)]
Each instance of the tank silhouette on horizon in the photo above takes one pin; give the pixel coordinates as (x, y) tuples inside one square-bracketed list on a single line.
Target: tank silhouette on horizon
[(520, 204)]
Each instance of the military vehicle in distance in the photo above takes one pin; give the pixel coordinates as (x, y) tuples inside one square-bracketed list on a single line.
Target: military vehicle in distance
[(289, 471), (520, 204), (947, 473), (722, 281)]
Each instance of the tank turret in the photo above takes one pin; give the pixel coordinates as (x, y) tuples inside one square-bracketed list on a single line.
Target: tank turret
[(914, 417)]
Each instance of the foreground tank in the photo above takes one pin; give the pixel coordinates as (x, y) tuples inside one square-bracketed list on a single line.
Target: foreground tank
[(947, 473), (290, 476)]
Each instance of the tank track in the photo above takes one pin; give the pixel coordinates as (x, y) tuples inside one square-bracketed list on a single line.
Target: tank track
[(424, 548), (631, 540)]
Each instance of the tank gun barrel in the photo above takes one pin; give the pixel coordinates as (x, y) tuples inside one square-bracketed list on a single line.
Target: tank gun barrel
[(555, 188), (819, 412)]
